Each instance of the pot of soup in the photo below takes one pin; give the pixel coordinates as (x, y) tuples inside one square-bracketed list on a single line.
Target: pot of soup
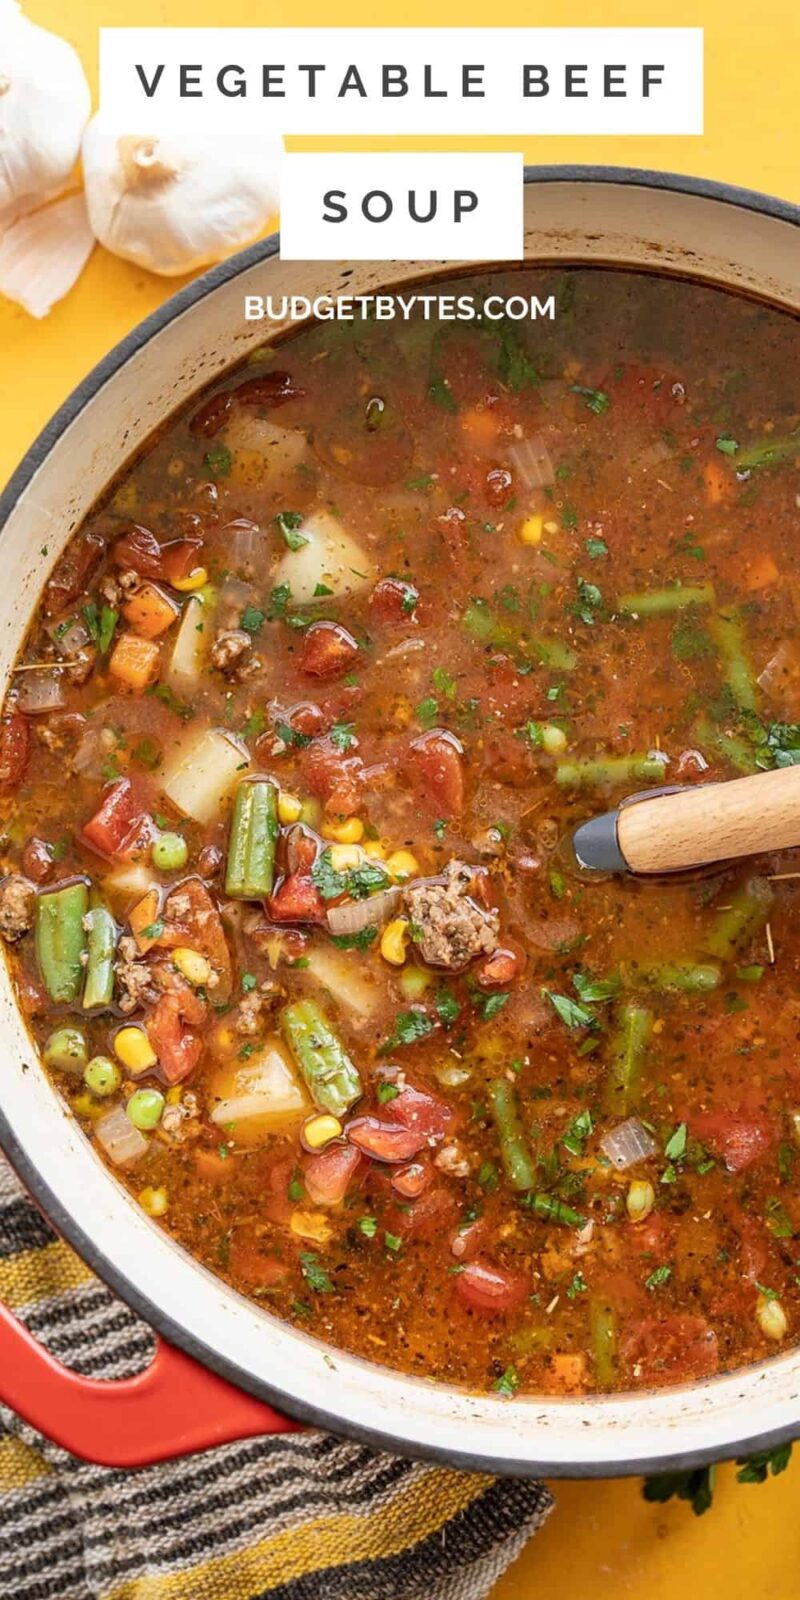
[(318, 643)]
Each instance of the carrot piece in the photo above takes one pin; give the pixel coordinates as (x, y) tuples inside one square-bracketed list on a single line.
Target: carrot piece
[(717, 480), (145, 915), (567, 1372), (134, 660), (480, 425), (149, 611), (214, 1167), (761, 572)]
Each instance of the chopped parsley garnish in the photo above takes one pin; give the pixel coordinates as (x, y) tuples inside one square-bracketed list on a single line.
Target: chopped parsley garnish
[(249, 982), (441, 395), (355, 941), (443, 683), (573, 1015), (488, 1177), (491, 1005), (594, 990), (278, 601), (358, 882), (387, 1092), (343, 735), (409, 1026), (588, 602), (320, 591), (428, 711), (252, 620), (316, 1277), (296, 1189), (728, 446), (392, 1242), (577, 1133), (101, 624), (368, 1226), (675, 1147), (596, 399), (218, 461), (508, 1382), (658, 1277), (448, 1009), (577, 1286), (289, 522), (595, 548)]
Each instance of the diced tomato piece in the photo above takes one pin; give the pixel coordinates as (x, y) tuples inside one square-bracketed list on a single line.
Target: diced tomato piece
[(333, 777), (452, 525), (212, 416), (271, 389), (385, 1141), (430, 1217), (138, 550), (499, 969), (309, 719), (112, 825), (467, 1241), (301, 850), (421, 1112), (15, 744), (393, 600), (489, 1289), (434, 765), (170, 1029), (413, 1180), (328, 649), (246, 1261), (739, 1137), (297, 899), (37, 862), (328, 1175), (73, 571), (191, 918), (670, 1347)]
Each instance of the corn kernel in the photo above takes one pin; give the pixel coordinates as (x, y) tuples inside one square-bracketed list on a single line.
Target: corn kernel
[(394, 941), (531, 530), (174, 1095), (374, 848), (351, 831), (771, 1318), (133, 1048), (640, 1199), (551, 526), (290, 808), (196, 580), (346, 857), (154, 1201), (401, 865), (192, 966), (319, 1131), (311, 1225)]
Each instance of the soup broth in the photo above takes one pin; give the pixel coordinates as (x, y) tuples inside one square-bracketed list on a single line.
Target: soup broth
[(333, 672)]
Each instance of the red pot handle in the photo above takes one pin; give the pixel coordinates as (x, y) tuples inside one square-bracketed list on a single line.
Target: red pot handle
[(173, 1408)]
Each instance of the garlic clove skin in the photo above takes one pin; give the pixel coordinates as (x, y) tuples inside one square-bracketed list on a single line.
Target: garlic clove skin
[(44, 107), (44, 254), (173, 202)]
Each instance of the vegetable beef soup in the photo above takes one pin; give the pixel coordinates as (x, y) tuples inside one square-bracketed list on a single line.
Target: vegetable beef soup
[(311, 706)]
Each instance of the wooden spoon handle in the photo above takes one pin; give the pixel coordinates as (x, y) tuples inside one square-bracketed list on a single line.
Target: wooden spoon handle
[(712, 822)]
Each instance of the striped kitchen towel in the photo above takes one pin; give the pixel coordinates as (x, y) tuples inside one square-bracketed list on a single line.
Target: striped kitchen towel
[(293, 1517)]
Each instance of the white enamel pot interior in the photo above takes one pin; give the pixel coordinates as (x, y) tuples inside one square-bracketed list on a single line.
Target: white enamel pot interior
[(647, 220)]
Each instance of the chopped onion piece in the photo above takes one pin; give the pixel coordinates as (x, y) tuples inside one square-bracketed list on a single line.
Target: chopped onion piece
[(70, 636), (628, 1143), (40, 691), (192, 643), (246, 543), (123, 1144), (531, 461), (355, 915), (44, 254)]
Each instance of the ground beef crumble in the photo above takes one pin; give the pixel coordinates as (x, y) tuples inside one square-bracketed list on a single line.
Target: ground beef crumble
[(232, 653), (450, 928), (17, 907)]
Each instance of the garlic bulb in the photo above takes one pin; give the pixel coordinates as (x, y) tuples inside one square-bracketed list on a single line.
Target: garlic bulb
[(44, 107), (42, 255), (173, 202)]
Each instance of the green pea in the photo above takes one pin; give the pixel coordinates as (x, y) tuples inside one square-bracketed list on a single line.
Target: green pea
[(144, 1108), (170, 852), (102, 1076), (66, 1049)]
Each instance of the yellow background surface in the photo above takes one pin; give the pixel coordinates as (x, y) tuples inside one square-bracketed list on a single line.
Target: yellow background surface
[(603, 1541)]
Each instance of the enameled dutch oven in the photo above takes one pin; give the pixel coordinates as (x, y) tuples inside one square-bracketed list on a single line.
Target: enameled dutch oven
[(223, 1361)]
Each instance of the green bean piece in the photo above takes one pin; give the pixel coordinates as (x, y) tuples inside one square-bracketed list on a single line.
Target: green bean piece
[(603, 1331), (659, 602), (628, 1043), (333, 1081), (480, 620), (552, 653), (66, 1049), (689, 977), (738, 752), (769, 452), (727, 632), (98, 987), (514, 1153), (60, 939), (251, 845), (607, 770), (740, 920)]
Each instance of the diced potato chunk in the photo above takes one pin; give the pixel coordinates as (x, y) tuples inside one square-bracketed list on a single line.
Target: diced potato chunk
[(202, 771), (330, 558), (260, 1097), (261, 450), (355, 989)]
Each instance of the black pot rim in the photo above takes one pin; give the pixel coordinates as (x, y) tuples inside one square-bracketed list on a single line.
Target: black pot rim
[(35, 1181)]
